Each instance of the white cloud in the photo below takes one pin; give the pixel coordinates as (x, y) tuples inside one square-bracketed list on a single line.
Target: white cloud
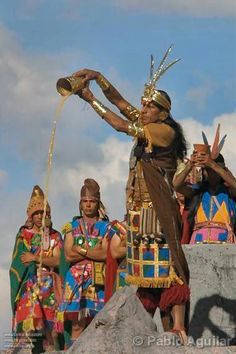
[(195, 8), (23, 77), (110, 171), (25, 96), (29, 100)]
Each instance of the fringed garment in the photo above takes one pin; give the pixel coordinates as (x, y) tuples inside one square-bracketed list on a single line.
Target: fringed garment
[(34, 305)]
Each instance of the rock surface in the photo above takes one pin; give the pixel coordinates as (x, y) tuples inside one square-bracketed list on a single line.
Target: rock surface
[(213, 295), (115, 327), (124, 327)]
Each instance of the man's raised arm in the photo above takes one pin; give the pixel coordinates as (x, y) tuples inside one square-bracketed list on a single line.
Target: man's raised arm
[(111, 93)]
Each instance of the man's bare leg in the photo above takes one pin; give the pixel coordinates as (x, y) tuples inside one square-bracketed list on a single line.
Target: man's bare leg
[(178, 313), (165, 320)]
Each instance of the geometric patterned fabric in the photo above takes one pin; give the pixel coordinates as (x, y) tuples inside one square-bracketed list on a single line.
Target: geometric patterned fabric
[(211, 222), (148, 266)]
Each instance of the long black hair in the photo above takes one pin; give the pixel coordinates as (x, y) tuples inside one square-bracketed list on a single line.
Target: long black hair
[(180, 144)]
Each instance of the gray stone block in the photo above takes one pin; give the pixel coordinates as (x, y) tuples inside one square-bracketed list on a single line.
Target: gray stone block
[(213, 291)]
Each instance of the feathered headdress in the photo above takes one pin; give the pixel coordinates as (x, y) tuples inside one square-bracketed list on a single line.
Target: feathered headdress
[(150, 91), (217, 144)]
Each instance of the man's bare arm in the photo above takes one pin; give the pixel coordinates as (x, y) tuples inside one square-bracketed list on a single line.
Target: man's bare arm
[(118, 249), (179, 183), (98, 253), (111, 93), (52, 261), (70, 254), (115, 121)]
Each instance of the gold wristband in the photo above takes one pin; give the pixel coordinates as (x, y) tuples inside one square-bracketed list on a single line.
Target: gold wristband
[(83, 252), (131, 113), (103, 83), (135, 130), (99, 108)]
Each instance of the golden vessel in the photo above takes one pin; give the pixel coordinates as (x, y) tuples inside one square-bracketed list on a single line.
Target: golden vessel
[(70, 84)]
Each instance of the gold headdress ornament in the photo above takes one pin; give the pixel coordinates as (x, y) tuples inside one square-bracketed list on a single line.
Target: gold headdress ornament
[(36, 202), (217, 144), (150, 91)]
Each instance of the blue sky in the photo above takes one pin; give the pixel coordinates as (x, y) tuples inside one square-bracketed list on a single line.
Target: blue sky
[(42, 40)]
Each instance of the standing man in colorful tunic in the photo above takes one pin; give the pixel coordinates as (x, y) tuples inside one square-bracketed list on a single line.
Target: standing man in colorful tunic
[(85, 250), (35, 284), (154, 254)]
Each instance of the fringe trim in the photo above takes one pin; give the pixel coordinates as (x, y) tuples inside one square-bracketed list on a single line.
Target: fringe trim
[(164, 282), (83, 314), (61, 317)]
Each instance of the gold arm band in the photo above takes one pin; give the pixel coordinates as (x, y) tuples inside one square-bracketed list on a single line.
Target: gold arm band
[(135, 130), (83, 252), (99, 108), (103, 83), (131, 113)]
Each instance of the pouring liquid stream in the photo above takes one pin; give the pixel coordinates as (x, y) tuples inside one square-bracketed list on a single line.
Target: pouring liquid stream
[(43, 232)]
